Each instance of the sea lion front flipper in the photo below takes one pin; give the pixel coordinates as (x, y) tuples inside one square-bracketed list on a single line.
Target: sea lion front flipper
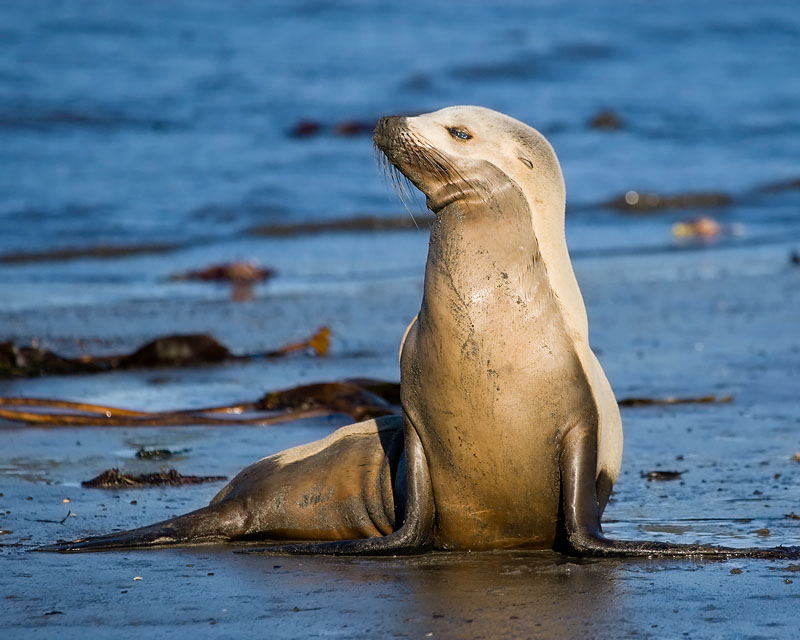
[(414, 534), (582, 534)]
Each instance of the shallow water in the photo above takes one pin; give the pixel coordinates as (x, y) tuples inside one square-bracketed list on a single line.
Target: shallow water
[(170, 124)]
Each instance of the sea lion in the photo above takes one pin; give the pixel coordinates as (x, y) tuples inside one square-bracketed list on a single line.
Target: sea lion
[(510, 435)]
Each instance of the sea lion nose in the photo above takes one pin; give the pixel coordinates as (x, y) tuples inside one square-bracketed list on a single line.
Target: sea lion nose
[(387, 129)]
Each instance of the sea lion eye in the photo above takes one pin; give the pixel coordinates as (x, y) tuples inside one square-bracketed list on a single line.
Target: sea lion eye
[(458, 133)]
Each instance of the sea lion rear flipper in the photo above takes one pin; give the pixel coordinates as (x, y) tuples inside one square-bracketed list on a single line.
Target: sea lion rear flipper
[(414, 534), (582, 534), (216, 522)]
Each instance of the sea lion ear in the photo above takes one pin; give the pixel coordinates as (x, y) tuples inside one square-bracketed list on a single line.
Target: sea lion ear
[(526, 162)]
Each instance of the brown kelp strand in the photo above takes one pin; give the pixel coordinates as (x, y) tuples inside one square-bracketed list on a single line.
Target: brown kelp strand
[(167, 351), (661, 476), (233, 272), (75, 253), (668, 400), (115, 479), (349, 398), (638, 202), (162, 419), (606, 119), (359, 399)]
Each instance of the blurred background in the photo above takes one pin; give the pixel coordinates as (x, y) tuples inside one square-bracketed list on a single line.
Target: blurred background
[(190, 124)]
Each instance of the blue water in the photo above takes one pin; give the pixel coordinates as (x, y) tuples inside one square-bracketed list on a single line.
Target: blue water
[(127, 123)]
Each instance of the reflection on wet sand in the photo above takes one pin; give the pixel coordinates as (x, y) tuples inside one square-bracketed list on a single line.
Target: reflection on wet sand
[(542, 594), (481, 595)]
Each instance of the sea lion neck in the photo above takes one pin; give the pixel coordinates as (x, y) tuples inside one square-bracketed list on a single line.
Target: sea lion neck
[(476, 247), (530, 241), (459, 193), (494, 215), (478, 224)]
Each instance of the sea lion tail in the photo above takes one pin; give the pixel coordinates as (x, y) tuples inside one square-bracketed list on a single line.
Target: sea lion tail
[(216, 522)]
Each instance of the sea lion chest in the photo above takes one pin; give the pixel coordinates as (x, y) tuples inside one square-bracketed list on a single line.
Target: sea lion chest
[(490, 379)]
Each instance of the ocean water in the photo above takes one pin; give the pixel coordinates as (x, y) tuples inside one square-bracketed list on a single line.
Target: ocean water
[(171, 123)]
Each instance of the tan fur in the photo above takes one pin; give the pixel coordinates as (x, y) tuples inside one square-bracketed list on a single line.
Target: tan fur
[(526, 158)]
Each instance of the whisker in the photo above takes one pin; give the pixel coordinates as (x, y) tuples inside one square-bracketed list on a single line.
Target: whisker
[(401, 185), (419, 152)]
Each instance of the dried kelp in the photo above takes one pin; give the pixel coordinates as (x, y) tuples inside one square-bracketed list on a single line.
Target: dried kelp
[(158, 454), (349, 398), (115, 479), (668, 400), (168, 351), (74, 253), (661, 476), (234, 272), (606, 119), (360, 400), (640, 202)]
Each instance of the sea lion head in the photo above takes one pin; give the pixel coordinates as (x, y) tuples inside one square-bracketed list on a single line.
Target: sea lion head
[(463, 154)]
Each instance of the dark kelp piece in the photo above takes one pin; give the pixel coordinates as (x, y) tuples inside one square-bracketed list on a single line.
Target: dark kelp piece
[(175, 351), (73, 253), (236, 272), (158, 454), (783, 185), (348, 398), (652, 402), (115, 479), (639, 202), (606, 119), (661, 475), (179, 350), (17, 361)]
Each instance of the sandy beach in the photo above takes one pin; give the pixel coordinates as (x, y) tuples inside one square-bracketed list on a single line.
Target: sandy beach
[(690, 323)]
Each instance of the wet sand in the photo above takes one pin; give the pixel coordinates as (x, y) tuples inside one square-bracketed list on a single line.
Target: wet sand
[(721, 321)]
